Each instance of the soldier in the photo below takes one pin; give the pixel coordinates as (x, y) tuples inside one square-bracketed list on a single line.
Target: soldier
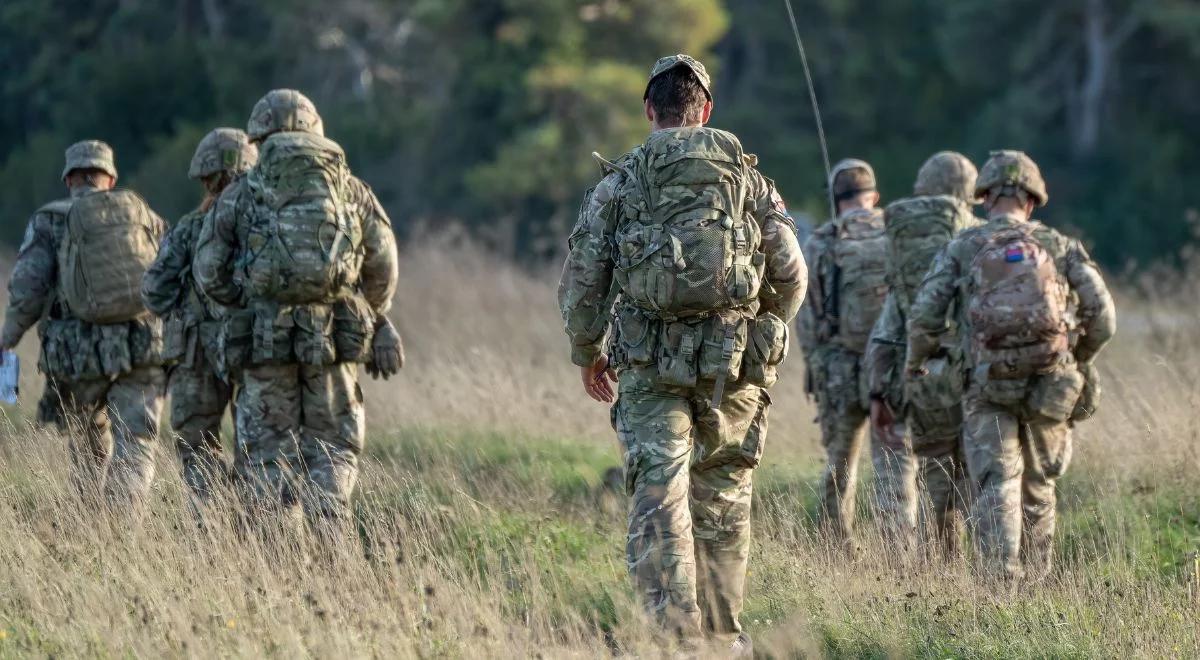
[(1036, 312), (76, 273), (708, 277), (200, 389), (849, 260), (305, 253), (931, 407)]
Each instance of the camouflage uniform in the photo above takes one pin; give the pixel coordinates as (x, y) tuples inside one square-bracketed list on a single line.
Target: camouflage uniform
[(1017, 437), (838, 379), (688, 468), (945, 183), (104, 382), (300, 420), (199, 387)]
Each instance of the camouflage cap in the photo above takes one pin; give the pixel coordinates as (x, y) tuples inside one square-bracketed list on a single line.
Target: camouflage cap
[(90, 154), (850, 177), (1011, 170), (223, 150), (665, 64), (284, 110), (947, 173)]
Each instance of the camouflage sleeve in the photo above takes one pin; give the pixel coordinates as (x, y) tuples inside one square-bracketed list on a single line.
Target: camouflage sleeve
[(583, 289), (1097, 313), (380, 269), (216, 248), (928, 315), (162, 285), (33, 279), (811, 311), (786, 271), (886, 348)]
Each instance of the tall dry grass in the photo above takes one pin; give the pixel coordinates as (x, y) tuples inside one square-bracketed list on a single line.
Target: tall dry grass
[(484, 530)]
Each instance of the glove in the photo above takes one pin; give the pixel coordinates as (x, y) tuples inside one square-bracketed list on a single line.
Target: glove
[(1089, 399), (387, 351)]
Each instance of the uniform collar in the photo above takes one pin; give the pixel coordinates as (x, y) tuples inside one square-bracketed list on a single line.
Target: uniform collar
[(1009, 219)]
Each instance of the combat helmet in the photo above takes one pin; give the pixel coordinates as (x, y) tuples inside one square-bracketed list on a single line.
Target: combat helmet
[(947, 173), (90, 155), (1011, 172), (284, 110), (851, 177), (223, 150)]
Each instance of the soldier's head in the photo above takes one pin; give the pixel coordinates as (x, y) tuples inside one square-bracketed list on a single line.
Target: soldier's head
[(852, 183), (1010, 182), (947, 173), (283, 110), (221, 156), (679, 93), (89, 165)]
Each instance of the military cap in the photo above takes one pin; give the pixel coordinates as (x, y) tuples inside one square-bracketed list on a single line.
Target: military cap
[(1012, 170), (90, 154), (223, 150), (947, 173), (851, 177), (284, 110), (669, 62)]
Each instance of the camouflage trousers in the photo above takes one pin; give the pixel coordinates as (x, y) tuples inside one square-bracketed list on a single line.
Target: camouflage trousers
[(688, 471), (844, 420), (300, 432), (1015, 458), (112, 425), (937, 443), (198, 401)]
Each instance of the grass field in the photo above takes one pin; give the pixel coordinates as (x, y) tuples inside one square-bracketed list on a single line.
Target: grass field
[(486, 528)]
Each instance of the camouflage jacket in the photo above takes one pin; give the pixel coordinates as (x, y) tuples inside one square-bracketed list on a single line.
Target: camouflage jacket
[(948, 284), (168, 289), (587, 277), (221, 247), (814, 324), (32, 290)]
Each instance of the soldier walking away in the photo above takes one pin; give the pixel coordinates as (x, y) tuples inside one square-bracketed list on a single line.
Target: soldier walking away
[(929, 408), (304, 253), (849, 258), (1036, 312), (708, 274), (199, 385), (77, 273)]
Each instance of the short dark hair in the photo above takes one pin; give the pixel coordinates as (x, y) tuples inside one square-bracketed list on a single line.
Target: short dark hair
[(677, 96)]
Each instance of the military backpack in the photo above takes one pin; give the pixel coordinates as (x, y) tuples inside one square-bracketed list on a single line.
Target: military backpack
[(686, 245), (917, 229), (110, 240), (860, 258), (1018, 310), (303, 245)]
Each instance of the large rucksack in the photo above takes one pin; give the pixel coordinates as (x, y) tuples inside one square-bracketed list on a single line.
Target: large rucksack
[(304, 246), (686, 246), (917, 229), (860, 257), (1018, 306), (110, 239)]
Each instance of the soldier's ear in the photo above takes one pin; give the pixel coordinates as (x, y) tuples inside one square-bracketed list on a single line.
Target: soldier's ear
[(706, 114), (649, 111)]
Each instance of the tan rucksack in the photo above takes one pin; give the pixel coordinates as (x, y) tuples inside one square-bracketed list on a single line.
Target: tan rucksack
[(110, 239), (917, 229), (305, 248), (1018, 307), (860, 256), (686, 245)]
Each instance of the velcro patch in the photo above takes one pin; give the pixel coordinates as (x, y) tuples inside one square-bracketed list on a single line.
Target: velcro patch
[(1014, 254)]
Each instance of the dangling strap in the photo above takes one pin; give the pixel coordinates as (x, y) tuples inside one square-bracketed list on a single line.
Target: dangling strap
[(727, 347)]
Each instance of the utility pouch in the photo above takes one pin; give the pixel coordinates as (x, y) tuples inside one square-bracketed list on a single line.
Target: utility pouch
[(353, 329), (766, 349), (313, 335), (1054, 395), (56, 360), (272, 334), (1000, 391), (723, 349), (113, 349), (146, 342), (941, 387), (175, 338), (236, 340), (677, 355), (637, 338)]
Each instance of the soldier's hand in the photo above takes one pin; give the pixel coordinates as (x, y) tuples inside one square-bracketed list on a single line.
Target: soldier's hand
[(387, 351), (598, 380)]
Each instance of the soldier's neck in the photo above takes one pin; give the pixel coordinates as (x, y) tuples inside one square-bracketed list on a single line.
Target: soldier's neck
[(83, 189)]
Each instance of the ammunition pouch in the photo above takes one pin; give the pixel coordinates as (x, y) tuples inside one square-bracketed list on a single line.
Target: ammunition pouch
[(73, 349), (709, 349), (270, 333), (353, 329), (766, 349), (1054, 396)]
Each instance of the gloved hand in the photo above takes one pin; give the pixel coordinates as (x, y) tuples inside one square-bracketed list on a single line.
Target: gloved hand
[(387, 351), (1089, 399)]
